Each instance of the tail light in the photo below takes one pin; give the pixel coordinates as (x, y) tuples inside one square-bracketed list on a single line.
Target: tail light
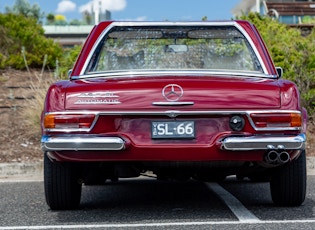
[(68, 121), (277, 120)]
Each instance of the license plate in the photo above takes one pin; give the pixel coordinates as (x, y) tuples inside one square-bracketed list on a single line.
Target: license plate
[(172, 129)]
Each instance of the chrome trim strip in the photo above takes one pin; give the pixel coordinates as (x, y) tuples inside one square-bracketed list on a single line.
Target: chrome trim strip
[(175, 113), (161, 73), (163, 112), (172, 103), (216, 23), (263, 142), (81, 143), (68, 130)]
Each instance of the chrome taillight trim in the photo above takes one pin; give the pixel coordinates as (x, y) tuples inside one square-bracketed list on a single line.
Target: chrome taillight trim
[(176, 113), (273, 128), (68, 130)]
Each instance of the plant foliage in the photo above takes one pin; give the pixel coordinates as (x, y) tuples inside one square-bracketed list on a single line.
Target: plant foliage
[(68, 60), (18, 33)]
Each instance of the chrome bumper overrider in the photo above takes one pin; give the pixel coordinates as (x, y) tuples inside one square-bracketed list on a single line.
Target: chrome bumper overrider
[(81, 143), (264, 143)]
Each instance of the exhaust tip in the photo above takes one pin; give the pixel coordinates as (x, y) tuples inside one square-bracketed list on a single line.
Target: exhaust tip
[(277, 158), (272, 157), (284, 157)]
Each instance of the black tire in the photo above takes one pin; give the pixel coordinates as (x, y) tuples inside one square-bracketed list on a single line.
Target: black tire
[(62, 187), (288, 183)]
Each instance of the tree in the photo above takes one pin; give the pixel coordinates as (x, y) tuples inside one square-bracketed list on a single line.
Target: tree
[(17, 33), (24, 8), (60, 20), (50, 19)]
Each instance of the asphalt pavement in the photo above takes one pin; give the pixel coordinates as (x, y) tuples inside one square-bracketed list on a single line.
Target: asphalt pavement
[(34, 171), (149, 204)]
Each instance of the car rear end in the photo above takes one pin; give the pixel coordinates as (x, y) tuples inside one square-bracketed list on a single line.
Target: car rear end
[(213, 116), (181, 100)]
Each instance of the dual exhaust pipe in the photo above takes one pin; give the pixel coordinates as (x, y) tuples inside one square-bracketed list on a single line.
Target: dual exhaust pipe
[(274, 157)]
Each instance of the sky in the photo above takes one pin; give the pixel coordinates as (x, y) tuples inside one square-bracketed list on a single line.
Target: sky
[(139, 10)]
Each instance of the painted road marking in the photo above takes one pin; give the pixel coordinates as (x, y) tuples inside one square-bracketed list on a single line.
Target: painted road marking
[(239, 210), (178, 224)]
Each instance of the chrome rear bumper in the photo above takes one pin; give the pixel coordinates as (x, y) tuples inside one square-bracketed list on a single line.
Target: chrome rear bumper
[(81, 143), (229, 143), (264, 143)]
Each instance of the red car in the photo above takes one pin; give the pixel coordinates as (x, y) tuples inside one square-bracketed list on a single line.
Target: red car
[(181, 100)]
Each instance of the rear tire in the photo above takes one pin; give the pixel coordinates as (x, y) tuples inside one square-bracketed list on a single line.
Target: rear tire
[(62, 187), (288, 183)]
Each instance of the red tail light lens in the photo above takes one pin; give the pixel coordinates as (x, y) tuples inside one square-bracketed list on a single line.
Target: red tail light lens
[(68, 121), (274, 120)]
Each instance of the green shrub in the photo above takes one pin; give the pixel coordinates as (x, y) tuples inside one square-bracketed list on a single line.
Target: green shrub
[(67, 61), (18, 31)]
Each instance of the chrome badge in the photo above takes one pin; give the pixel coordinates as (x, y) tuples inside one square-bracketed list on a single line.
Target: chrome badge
[(172, 92), (105, 98)]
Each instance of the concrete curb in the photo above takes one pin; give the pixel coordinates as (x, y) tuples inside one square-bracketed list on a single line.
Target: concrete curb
[(34, 171), (21, 171), (310, 165)]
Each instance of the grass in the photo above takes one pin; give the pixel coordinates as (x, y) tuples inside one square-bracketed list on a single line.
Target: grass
[(33, 107)]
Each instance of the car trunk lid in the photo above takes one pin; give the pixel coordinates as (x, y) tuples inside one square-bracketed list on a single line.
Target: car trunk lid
[(173, 92)]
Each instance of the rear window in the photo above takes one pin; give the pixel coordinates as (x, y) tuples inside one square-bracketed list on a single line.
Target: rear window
[(174, 48)]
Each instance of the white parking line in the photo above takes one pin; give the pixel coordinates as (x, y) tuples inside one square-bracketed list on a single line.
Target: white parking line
[(239, 210), (143, 225)]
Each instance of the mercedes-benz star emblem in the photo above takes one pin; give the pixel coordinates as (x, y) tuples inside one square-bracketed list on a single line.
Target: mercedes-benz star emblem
[(172, 92)]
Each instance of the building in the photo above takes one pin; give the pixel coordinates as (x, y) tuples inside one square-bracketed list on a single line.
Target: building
[(286, 11), (71, 35), (68, 36), (96, 13)]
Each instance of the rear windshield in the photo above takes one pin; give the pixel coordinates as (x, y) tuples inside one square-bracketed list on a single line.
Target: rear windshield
[(174, 48)]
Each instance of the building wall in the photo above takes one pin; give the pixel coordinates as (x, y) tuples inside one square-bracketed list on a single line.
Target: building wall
[(286, 11)]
